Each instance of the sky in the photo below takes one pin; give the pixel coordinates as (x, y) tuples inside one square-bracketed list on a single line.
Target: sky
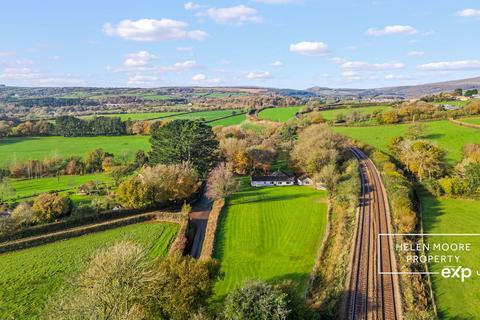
[(269, 43)]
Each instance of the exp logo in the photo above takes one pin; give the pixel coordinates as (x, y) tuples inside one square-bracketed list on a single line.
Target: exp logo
[(456, 273)]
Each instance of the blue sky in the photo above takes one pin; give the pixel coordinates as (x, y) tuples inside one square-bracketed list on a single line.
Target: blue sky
[(277, 43)]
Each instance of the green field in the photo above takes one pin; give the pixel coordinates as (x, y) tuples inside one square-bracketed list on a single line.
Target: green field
[(278, 114), (26, 148), (271, 233), (32, 187), (135, 116), (332, 114), (448, 136), (473, 120), (205, 115), (455, 300), (29, 277), (231, 121)]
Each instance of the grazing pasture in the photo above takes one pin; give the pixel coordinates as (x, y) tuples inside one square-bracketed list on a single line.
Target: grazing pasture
[(32, 187), (271, 233), (446, 215), (332, 114), (30, 276), (205, 115), (447, 135), (37, 148), (278, 114), (136, 116), (473, 120), (231, 121)]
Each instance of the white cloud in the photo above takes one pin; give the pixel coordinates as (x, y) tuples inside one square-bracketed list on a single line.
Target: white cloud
[(193, 6), (238, 15), (309, 48), (149, 30), (139, 79), (24, 62), (258, 75), (4, 54), (415, 53), (452, 65), (186, 65), (276, 64), (469, 13), (338, 60), (361, 65), (185, 49), (199, 77), (351, 75), (27, 76), (140, 59), (391, 30), (275, 1), (392, 76), (224, 62)]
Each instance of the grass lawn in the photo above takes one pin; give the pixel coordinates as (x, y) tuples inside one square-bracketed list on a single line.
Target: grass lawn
[(332, 114), (228, 121), (29, 277), (455, 300), (473, 120), (25, 148), (32, 187), (278, 114), (448, 136), (271, 233), (135, 116)]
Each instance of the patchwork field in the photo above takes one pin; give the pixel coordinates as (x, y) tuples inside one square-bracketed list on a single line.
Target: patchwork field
[(448, 136), (205, 115), (37, 148), (271, 234), (278, 114), (32, 187), (231, 121), (444, 215), (29, 277), (332, 114), (136, 116)]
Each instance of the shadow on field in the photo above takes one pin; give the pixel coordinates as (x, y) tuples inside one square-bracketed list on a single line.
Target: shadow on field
[(433, 136), (13, 140), (431, 209), (235, 199)]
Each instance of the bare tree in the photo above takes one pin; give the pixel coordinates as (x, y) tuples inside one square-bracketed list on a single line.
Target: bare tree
[(221, 182)]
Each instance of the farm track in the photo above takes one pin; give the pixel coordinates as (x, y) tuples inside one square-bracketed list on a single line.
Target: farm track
[(374, 291)]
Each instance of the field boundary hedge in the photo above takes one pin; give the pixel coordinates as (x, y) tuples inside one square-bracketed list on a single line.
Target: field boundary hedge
[(210, 232), (79, 231), (464, 124), (180, 243), (321, 250), (226, 117), (68, 224)]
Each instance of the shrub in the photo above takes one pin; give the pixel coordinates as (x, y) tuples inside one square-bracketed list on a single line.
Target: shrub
[(256, 300), (23, 214), (50, 206)]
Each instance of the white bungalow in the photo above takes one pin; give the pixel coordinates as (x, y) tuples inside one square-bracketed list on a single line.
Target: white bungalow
[(278, 178)]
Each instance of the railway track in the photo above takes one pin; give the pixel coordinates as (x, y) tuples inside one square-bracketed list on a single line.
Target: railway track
[(374, 291)]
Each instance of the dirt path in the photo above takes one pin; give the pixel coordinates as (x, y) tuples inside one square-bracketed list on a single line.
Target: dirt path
[(199, 219)]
